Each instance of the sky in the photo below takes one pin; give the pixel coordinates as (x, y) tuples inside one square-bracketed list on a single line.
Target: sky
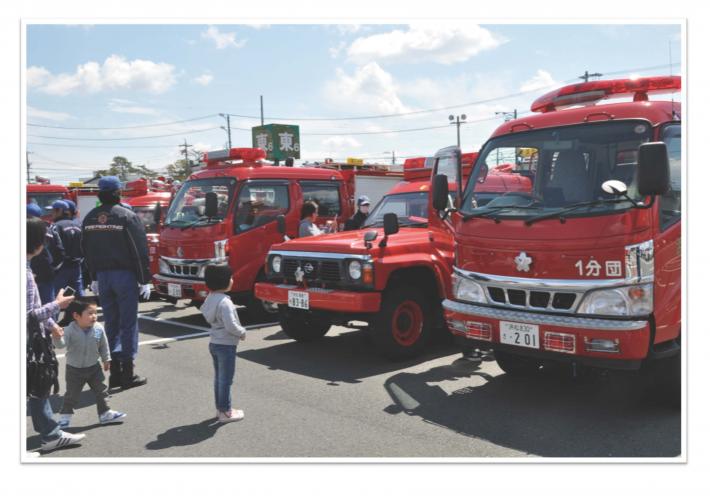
[(140, 90)]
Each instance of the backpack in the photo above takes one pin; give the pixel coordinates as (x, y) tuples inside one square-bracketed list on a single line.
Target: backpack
[(42, 364)]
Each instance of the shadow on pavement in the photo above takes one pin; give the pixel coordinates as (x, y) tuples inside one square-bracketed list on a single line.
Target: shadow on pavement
[(184, 435), (548, 415), (344, 358)]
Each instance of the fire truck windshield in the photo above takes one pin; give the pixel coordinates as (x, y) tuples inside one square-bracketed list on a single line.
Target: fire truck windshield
[(188, 208), (410, 208), (566, 166), (44, 200)]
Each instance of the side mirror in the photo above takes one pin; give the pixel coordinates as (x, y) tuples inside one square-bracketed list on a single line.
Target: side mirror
[(391, 223), (281, 224), (210, 204), (653, 175), (440, 192), (157, 212), (369, 236)]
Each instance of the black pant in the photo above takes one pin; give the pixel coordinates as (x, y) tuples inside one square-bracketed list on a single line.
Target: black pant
[(76, 379)]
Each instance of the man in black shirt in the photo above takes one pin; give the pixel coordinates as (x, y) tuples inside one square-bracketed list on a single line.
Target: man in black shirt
[(363, 210)]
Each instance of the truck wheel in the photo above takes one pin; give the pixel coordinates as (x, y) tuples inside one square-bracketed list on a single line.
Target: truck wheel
[(515, 365), (301, 326), (403, 326), (260, 309)]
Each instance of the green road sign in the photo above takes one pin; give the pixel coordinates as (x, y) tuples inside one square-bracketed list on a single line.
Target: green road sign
[(279, 141)]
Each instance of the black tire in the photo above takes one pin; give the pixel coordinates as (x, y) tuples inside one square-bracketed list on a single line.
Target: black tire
[(260, 310), (302, 326), (403, 327), (515, 365)]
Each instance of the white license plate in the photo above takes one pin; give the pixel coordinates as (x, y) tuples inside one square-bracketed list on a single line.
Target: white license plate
[(522, 335), (174, 290), (298, 300)]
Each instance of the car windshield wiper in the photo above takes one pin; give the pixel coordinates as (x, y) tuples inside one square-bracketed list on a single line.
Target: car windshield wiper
[(494, 210), (574, 207), (201, 219)]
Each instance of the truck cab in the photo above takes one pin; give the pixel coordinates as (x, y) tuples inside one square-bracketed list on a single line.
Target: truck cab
[(393, 273), (151, 208), (228, 212), (583, 268), (44, 195)]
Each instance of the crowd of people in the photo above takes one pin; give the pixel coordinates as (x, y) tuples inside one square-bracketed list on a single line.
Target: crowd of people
[(108, 250)]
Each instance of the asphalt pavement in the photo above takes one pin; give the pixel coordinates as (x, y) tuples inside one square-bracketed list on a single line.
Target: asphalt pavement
[(337, 398)]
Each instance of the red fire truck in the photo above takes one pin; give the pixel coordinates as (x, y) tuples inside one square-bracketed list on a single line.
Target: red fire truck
[(585, 268), (392, 273), (227, 214), (44, 194), (151, 208)]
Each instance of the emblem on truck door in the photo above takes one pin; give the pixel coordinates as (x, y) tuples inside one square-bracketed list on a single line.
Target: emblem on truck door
[(523, 262), (298, 274)]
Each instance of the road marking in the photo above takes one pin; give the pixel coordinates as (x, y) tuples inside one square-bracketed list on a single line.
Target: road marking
[(167, 321)]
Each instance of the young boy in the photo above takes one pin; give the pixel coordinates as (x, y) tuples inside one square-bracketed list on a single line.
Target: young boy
[(225, 335), (86, 342)]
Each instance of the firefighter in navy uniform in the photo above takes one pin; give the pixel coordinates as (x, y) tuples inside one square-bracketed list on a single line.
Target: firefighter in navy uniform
[(69, 273), (116, 253)]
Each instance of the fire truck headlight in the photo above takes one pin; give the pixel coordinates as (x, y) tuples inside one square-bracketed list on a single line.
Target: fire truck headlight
[(467, 290), (276, 264), (164, 268), (355, 270), (629, 301)]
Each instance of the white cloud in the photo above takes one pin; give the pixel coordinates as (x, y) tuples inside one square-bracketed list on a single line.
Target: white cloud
[(340, 143), (223, 40), (542, 80), (204, 79), (36, 113), (335, 51), (116, 73), (126, 106), (445, 44), (370, 88)]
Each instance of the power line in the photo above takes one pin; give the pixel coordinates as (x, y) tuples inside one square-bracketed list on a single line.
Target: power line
[(125, 127), (194, 131)]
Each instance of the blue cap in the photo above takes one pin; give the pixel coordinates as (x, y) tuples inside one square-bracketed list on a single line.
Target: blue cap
[(60, 204), (109, 184), (34, 210), (70, 203), (363, 200)]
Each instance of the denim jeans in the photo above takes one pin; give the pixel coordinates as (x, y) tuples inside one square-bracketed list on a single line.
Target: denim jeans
[(69, 275), (42, 419), (118, 293), (224, 358)]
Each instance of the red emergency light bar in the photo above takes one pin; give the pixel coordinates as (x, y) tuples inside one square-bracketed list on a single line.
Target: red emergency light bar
[(591, 92), (418, 168), (243, 154)]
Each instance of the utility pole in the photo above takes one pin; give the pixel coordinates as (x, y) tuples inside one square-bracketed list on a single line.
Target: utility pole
[(460, 119), (586, 75), (261, 101), (184, 152), (27, 159), (509, 115), (228, 130)]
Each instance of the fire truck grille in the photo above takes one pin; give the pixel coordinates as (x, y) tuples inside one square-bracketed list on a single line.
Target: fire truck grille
[(545, 300), (184, 270), (319, 271)]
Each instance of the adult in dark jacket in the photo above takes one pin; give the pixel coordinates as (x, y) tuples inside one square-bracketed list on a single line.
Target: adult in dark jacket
[(45, 264), (116, 253), (69, 273), (356, 221)]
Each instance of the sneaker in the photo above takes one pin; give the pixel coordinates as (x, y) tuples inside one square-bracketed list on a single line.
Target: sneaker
[(230, 416), (111, 416), (64, 420), (64, 439)]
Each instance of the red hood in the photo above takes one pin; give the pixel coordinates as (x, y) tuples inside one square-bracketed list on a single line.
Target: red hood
[(352, 241), (555, 248)]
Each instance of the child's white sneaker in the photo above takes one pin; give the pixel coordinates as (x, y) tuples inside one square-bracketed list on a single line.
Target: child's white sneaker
[(230, 416), (64, 439), (64, 420), (111, 416)]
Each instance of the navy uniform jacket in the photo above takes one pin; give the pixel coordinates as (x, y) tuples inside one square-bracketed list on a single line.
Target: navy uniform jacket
[(45, 264), (113, 238), (70, 233), (355, 222)]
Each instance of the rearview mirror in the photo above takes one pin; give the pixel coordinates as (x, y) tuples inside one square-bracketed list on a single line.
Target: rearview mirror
[(210, 204), (653, 175), (440, 192), (157, 211), (391, 223)]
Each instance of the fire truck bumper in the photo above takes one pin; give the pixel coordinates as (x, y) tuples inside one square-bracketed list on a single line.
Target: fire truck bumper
[(319, 298), (605, 343), (179, 288)]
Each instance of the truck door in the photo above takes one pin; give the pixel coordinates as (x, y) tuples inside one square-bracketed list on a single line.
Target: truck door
[(255, 229), (667, 245)]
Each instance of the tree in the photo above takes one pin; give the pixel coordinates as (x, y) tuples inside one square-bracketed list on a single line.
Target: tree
[(180, 169), (124, 169)]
